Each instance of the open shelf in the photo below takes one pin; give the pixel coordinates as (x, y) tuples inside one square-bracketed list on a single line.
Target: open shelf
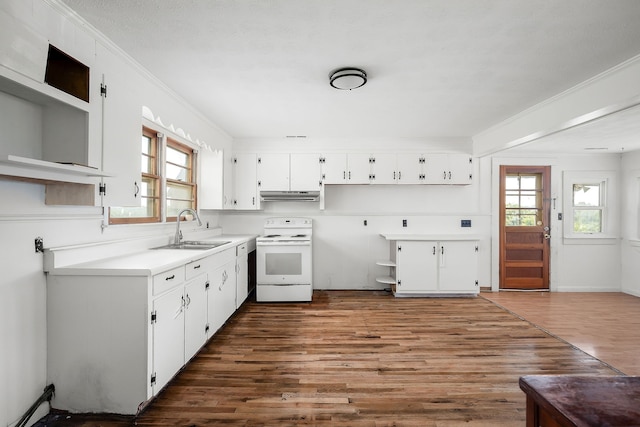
[(43, 165), (387, 280), (386, 263)]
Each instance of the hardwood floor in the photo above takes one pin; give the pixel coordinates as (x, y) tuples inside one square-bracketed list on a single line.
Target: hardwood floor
[(604, 325), (362, 358)]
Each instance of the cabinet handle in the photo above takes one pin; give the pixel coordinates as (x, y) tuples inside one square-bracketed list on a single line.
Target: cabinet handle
[(188, 300), (449, 174), (344, 175), (253, 201), (442, 250), (349, 175), (170, 277), (137, 188), (394, 175), (399, 175), (444, 176), (195, 267)]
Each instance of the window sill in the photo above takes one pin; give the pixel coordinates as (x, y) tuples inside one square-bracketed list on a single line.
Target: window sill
[(592, 239)]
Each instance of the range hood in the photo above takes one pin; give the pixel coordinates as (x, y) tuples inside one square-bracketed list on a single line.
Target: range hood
[(289, 196)]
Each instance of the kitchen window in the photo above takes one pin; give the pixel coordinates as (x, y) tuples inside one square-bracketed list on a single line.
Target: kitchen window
[(167, 182), (181, 186), (590, 204)]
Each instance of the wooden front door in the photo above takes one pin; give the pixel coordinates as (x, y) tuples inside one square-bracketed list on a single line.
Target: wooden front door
[(524, 227)]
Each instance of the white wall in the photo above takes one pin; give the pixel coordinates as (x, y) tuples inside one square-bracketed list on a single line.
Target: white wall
[(24, 216), (630, 222)]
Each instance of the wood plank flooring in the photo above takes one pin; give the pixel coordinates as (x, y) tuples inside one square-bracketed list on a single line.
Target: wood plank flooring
[(604, 325), (362, 358)]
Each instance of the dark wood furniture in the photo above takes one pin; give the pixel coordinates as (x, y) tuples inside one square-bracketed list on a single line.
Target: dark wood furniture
[(579, 401)]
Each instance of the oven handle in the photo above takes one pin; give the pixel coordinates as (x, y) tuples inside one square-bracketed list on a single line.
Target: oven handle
[(284, 243)]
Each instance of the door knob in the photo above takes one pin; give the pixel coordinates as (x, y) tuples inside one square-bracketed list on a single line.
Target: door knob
[(547, 236)]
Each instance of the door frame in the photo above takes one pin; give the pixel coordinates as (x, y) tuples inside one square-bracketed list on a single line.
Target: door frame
[(545, 171), (496, 162)]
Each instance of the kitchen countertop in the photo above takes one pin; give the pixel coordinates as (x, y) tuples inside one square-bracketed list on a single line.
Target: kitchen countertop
[(145, 262), (430, 237)]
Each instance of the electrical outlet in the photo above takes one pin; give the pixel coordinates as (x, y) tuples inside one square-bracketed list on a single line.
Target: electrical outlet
[(404, 222), (39, 244), (465, 223)]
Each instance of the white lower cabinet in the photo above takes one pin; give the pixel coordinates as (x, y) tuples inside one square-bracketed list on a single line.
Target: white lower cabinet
[(242, 274), (168, 337), (222, 290), (195, 321), (430, 267), (115, 340)]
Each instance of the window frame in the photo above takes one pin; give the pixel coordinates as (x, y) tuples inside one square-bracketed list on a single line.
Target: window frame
[(608, 205), (191, 182)]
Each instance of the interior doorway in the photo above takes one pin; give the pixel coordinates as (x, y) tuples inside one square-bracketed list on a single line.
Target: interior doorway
[(524, 227)]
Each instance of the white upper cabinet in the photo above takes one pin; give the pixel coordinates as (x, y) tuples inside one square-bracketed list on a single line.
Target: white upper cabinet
[(211, 181), (358, 168), (215, 186), (449, 169), (334, 168), (245, 181), (306, 174), (383, 168), (410, 168), (273, 172), (121, 127)]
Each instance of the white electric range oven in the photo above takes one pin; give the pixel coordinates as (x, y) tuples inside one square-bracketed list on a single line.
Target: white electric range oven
[(283, 261)]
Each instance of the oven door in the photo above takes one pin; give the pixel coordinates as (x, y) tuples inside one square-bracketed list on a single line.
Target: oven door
[(283, 263)]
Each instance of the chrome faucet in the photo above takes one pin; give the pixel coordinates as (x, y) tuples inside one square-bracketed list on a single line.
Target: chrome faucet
[(178, 236)]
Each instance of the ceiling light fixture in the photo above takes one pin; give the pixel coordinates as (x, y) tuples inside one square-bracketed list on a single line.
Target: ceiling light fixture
[(347, 78)]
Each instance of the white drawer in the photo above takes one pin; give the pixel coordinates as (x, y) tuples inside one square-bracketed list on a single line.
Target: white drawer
[(164, 281), (196, 268)]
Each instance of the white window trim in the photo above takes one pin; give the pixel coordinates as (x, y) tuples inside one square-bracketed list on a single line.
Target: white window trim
[(610, 212)]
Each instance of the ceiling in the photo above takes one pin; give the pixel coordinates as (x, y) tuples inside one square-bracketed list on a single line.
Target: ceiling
[(436, 68)]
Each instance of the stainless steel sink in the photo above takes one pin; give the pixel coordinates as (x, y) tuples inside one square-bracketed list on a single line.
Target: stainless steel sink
[(193, 244)]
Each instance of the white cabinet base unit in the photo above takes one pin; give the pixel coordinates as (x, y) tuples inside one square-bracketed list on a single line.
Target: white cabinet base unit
[(120, 328), (428, 265)]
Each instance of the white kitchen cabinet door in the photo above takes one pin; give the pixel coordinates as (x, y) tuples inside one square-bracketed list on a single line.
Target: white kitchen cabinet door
[(416, 266), (448, 169), (211, 180), (242, 274), (359, 168), (306, 173), (273, 172), (384, 168), (121, 128), (168, 336), (458, 266), (222, 295), (195, 320), (461, 168), (334, 168), (245, 182), (410, 168)]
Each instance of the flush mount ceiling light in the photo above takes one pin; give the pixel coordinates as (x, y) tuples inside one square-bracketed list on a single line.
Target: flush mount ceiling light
[(347, 78)]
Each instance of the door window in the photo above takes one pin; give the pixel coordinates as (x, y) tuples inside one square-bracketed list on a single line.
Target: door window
[(523, 199)]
